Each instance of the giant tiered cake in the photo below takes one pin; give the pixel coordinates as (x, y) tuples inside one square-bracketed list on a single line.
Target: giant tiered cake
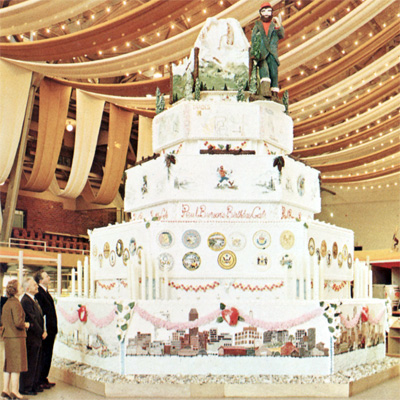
[(222, 255)]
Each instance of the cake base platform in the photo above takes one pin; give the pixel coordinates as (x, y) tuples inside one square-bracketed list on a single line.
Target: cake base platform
[(345, 383)]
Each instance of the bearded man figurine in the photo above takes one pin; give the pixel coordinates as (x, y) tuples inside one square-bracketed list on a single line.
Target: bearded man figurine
[(264, 47)]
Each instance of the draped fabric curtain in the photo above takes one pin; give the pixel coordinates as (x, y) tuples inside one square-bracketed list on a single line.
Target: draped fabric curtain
[(145, 144), (113, 32), (129, 89), (15, 83), (23, 17), (361, 54), (134, 102), (53, 110), (173, 48), (350, 125), (89, 111), (118, 140), (332, 35), (179, 46), (355, 81)]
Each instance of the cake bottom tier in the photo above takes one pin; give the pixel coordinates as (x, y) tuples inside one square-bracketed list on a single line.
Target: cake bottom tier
[(221, 336)]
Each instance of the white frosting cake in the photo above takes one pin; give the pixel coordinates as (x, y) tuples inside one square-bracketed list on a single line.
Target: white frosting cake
[(222, 255)]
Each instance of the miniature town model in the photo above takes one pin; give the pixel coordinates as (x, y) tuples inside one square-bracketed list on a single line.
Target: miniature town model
[(222, 256)]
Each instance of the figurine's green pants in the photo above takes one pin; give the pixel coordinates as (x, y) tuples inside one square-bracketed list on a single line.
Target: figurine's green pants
[(268, 68)]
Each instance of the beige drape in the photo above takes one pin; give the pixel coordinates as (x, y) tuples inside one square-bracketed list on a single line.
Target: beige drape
[(173, 48), (118, 140), (53, 110), (145, 144), (15, 83), (35, 14), (88, 120)]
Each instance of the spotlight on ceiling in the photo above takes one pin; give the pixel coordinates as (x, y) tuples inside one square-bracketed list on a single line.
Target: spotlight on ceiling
[(70, 125)]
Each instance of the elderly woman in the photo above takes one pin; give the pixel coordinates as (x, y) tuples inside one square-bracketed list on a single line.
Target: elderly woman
[(14, 335)]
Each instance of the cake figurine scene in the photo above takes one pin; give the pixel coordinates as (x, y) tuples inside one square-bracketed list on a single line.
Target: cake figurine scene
[(222, 255)]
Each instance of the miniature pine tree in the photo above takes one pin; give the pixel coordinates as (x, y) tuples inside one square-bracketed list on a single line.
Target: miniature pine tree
[(158, 101), (197, 89), (253, 80), (255, 46), (240, 93), (189, 87), (162, 103), (285, 100)]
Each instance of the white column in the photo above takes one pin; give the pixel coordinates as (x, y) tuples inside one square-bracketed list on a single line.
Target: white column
[(300, 276), (369, 279), (73, 282), (149, 273), (293, 283), (165, 274), (355, 283), (287, 285), (322, 277), (20, 266), (362, 280), (79, 275), (366, 280), (157, 278), (316, 278), (92, 277), (86, 277), (59, 276), (130, 262), (134, 278), (308, 279), (143, 267)]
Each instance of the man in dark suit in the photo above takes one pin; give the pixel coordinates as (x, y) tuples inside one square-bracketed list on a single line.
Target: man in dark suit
[(29, 380), (46, 302)]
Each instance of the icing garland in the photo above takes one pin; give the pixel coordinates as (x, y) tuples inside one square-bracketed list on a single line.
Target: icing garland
[(280, 325), (364, 315), (107, 287), (187, 288), (334, 286), (98, 322), (338, 288), (257, 288), (160, 323)]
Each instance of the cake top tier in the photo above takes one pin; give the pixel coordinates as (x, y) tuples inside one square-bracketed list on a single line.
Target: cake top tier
[(222, 53), (215, 104), (219, 121)]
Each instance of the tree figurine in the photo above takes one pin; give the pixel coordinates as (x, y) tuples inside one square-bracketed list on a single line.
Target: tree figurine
[(253, 81), (160, 101), (240, 94), (189, 87), (197, 89), (285, 100), (255, 46)]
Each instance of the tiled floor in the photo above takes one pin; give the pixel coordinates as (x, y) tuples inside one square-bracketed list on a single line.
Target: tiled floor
[(389, 390)]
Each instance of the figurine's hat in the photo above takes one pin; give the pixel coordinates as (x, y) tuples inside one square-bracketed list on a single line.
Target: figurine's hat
[(265, 5)]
